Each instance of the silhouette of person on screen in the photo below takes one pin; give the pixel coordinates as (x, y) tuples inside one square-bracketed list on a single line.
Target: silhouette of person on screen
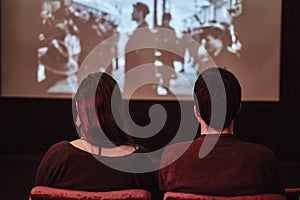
[(169, 40), (88, 163), (231, 167), (138, 55)]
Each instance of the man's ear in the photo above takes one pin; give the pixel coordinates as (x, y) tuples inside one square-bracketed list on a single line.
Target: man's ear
[(197, 114)]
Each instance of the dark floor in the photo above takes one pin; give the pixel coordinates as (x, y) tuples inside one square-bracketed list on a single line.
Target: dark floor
[(17, 175)]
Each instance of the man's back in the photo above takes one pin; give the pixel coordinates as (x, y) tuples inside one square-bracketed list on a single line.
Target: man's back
[(232, 167)]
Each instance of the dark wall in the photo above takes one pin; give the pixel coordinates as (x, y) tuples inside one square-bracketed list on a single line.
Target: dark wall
[(290, 82), (30, 126)]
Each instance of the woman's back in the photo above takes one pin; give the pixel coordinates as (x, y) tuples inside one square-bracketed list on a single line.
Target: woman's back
[(66, 166), (106, 157)]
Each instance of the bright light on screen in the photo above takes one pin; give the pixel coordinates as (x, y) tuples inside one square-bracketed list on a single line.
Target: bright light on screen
[(49, 46)]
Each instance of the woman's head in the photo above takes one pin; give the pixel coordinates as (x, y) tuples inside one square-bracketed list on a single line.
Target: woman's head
[(94, 99)]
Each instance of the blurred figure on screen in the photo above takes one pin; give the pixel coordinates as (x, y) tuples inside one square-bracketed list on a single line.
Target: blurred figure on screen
[(85, 21), (59, 69), (216, 42), (217, 162), (62, 32), (139, 55), (168, 39)]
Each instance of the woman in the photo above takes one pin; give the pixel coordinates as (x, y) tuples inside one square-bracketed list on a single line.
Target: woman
[(89, 163)]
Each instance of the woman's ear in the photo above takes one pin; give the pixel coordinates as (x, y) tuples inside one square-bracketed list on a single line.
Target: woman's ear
[(197, 114)]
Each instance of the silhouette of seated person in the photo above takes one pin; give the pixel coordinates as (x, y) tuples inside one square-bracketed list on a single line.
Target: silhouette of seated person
[(217, 162), (102, 158)]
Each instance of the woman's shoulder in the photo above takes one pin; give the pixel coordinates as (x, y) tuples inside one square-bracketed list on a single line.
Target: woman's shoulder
[(59, 145), (59, 148), (56, 153)]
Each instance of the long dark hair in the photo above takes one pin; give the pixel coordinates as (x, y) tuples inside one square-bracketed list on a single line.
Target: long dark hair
[(94, 107)]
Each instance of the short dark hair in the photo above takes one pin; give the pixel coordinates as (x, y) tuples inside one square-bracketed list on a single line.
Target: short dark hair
[(213, 31), (94, 95), (142, 7), (217, 33), (166, 16), (218, 79)]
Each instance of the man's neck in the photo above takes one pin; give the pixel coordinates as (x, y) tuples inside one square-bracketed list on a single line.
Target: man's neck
[(216, 132), (140, 22), (205, 129)]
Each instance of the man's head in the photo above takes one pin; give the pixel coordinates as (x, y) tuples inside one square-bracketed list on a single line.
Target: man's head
[(209, 90), (140, 11), (214, 40), (166, 18)]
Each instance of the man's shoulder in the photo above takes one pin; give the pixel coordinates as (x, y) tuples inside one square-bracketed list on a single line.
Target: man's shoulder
[(176, 150), (172, 152), (178, 146), (257, 149)]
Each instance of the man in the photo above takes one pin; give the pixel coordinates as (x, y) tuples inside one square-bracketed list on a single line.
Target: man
[(217, 39), (168, 39), (218, 163), (139, 55)]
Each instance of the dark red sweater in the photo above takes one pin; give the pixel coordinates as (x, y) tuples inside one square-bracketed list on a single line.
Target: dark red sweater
[(232, 167)]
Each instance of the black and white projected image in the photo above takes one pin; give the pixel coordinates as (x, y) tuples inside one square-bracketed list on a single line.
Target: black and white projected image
[(80, 25), (153, 48)]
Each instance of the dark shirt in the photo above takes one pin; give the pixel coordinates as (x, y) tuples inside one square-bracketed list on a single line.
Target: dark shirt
[(227, 59), (232, 167), (137, 47), (140, 53), (168, 40), (65, 166), (224, 59)]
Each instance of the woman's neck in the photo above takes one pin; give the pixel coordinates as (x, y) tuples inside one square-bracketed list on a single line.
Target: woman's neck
[(117, 151)]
